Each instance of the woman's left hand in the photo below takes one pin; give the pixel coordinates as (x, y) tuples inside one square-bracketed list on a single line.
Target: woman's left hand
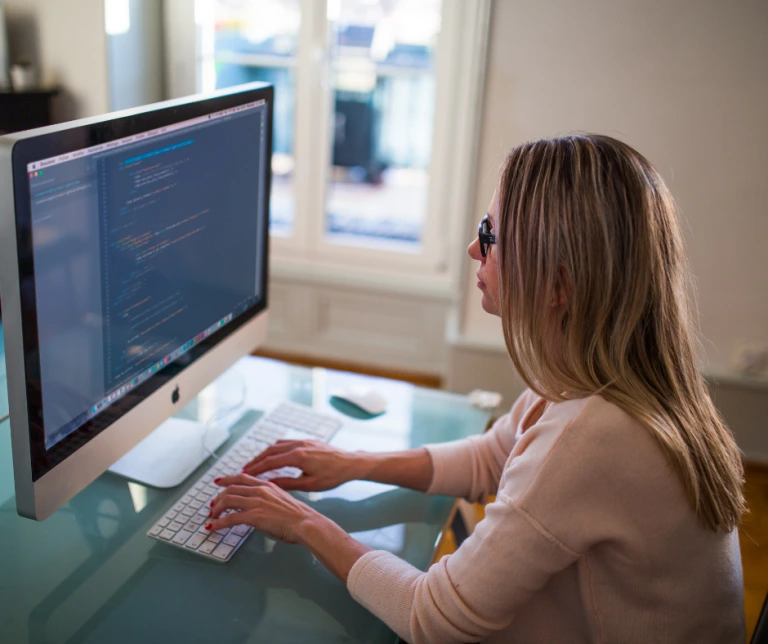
[(260, 504)]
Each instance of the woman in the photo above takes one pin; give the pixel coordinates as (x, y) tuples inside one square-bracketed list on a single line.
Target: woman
[(618, 488)]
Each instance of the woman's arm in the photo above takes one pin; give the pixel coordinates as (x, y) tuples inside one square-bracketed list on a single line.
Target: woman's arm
[(467, 468), (325, 467), (411, 468), (275, 512), (462, 598)]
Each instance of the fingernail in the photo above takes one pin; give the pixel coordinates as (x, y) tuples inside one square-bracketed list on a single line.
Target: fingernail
[(210, 514), (209, 526), (211, 504), (217, 479)]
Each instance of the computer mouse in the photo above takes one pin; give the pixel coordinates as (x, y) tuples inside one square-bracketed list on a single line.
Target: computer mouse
[(364, 397)]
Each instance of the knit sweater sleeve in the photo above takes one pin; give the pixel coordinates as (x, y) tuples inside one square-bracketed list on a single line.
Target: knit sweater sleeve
[(471, 468), (470, 594)]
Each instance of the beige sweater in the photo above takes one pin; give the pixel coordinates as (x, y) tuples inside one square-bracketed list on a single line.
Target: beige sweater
[(590, 539)]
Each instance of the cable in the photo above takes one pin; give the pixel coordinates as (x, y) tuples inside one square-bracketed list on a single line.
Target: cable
[(4, 418)]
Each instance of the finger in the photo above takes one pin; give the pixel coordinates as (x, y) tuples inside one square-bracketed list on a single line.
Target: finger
[(236, 490), (294, 458), (237, 479), (301, 484), (278, 448), (228, 521), (233, 502)]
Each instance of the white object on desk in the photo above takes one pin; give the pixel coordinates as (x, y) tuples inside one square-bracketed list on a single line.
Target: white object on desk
[(364, 397), (484, 399)]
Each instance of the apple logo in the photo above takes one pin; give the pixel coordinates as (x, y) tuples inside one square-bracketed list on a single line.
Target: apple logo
[(175, 395)]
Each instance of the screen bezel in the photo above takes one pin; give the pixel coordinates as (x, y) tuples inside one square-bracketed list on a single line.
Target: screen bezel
[(32, 150)]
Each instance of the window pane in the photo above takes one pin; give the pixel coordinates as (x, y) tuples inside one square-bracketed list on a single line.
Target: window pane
[(384, 95), (257, 40)]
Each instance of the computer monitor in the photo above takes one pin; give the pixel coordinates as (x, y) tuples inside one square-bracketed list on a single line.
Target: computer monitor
[(133, 269)]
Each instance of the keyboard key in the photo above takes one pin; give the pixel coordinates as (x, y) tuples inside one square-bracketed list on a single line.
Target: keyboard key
[(186, 498), (163, 522), (171, 515), (156, 530), (193, 524), (207, 548), (175, 526), (196, 505), (187, 512), (182, 537), (215, 538), (167, 535), (194, 542), (232, 539), (222, 551), (241, 529)]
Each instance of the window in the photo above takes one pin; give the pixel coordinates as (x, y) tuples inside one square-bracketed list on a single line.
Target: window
[(383, 83), (373, 98)]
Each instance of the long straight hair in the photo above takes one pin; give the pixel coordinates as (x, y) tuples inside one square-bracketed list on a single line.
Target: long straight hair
[(587, 219)]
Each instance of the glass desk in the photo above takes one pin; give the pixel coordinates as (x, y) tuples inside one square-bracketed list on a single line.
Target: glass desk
[(89, 573)]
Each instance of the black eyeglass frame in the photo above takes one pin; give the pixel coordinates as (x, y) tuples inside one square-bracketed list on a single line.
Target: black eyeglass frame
[(484, 235)]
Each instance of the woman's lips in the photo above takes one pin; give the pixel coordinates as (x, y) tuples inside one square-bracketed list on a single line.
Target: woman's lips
[(480, 284)]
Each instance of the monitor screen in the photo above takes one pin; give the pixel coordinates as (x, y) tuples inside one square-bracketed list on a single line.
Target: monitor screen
[(143, 247), (142, 243)]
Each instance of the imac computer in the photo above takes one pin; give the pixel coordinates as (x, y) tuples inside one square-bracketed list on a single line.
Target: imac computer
[(133, 271)]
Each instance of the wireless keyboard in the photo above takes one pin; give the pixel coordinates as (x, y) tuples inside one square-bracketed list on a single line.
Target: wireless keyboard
[(183, 525)]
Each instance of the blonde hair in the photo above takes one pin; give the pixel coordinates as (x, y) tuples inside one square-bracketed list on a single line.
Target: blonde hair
[(588, 219)]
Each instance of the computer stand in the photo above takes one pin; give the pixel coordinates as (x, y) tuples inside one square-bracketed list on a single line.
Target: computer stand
[(171, 453)]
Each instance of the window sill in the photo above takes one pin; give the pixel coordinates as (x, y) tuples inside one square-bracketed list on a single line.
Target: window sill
[(435, 287)]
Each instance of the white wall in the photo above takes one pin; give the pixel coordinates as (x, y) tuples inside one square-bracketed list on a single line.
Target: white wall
[(66, 40), (23, 41), (136, 61), (684, 82)]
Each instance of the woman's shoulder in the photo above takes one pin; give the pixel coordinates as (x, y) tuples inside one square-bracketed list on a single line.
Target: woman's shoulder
[(585, 442)]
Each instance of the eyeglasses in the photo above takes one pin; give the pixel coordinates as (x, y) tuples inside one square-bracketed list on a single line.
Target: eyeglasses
[(484, 235)]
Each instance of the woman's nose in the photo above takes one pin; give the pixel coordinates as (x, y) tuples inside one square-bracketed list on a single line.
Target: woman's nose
[(474, 250)]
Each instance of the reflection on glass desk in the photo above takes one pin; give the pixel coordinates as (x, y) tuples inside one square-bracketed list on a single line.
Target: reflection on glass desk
[(89, 573)]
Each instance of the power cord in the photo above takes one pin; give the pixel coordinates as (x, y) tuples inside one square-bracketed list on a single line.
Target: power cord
[(4, 418)]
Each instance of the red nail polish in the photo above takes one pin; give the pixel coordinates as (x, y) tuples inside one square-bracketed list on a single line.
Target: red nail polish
[(217, 479), (209, 526), (211, 504), (210, 514)]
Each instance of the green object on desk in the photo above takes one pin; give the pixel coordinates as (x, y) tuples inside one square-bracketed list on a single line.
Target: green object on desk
[(90, 574)]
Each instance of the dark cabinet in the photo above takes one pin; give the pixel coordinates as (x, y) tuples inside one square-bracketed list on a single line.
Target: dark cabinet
[(25, 110)]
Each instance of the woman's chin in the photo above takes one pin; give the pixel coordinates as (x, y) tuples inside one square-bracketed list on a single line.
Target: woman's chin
[(489, 305)]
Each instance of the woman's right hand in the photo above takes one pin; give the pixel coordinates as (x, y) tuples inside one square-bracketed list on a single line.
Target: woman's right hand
[(324, 467)]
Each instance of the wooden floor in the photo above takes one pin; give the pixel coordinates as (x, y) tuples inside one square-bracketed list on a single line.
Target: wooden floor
[(753, 534), (417, 378)]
